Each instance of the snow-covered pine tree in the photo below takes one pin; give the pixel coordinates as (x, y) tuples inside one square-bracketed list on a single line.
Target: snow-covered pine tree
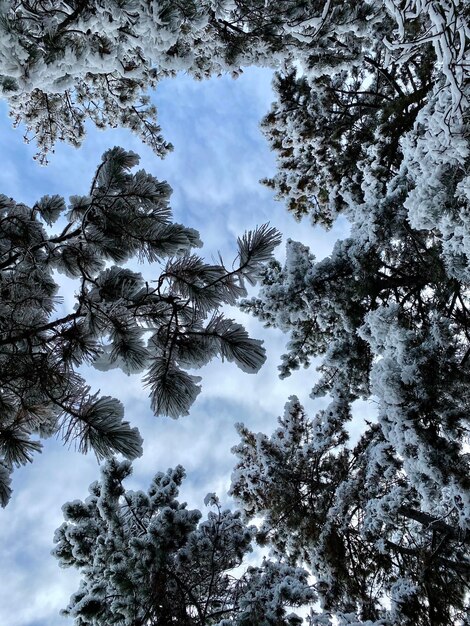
[(161, 327), (380, 554), (388, 315), (371, 121), (146, 559), (64, 63), (373, 64), (376, 77), (380, 134)]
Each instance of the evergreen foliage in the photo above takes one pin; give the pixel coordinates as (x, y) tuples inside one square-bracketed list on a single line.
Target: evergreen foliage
[(379, 553), (365, 67), (161, 328), (146, 559), (371, 122), (378, 133), (383, 140)]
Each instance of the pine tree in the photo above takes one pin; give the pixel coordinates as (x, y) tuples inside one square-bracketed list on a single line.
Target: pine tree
[(146, 559), (161, 328), (375, 80), (386, 314), (371, 121), (357, 519), (367, 65), (62, 64)]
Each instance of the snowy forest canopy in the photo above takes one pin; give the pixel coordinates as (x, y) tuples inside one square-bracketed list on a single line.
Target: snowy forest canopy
[(370, 122)]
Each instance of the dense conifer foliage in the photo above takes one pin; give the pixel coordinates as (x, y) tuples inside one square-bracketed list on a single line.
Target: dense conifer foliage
[(366, 67), (147, 560), (380, 552), (382, 139), (160, 327), (371, 121)]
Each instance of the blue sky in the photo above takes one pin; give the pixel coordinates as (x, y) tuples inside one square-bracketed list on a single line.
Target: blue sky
[(219, 157)]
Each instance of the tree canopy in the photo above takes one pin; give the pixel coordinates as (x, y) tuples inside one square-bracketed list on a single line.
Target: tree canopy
[(355, 516), (161, 327), (146, 559), (369, 64), (370, 122), (382, 523)]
